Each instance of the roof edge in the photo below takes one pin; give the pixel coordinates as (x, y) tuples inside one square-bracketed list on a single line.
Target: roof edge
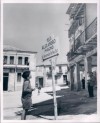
[(22, 51)]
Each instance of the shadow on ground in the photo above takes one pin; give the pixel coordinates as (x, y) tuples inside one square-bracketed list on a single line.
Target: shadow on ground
[(69, 103)]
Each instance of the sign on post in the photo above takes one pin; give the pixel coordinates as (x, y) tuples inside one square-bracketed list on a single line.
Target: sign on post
[(51, 48), (50, 51)]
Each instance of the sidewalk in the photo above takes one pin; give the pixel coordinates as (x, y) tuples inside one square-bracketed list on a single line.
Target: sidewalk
[(71, 105)]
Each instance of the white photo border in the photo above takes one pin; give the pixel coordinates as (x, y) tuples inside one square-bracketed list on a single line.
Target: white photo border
[(98, 57)]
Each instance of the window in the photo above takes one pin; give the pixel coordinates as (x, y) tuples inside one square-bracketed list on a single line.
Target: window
[(26, 61), (60, 69), (11, 59), (50, 70), (5, 60), (5, 74), (20, 60), (18, 77)]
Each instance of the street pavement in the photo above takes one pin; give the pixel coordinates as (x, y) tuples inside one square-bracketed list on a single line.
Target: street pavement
[(72, 105)]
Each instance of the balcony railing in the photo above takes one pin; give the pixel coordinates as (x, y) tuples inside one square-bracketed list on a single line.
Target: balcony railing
[(79, 41), (73, 28), (70, 54), (49, 74), (89, 32), (75, 9), (78, 21), (60, 72), (91, 29)]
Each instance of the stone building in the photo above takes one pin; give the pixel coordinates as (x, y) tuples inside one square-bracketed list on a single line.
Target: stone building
[(82, 55), (15, 61), (44, 75)]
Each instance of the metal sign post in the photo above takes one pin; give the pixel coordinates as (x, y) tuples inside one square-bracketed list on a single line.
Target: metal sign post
[(53, 64)]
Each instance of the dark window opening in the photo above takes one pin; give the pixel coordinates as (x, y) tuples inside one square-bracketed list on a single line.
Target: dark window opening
[(5, 60), (26, 61), (50, 69), (60, 69), (18, 77), (20, 60), (5, 81), (11, 59)]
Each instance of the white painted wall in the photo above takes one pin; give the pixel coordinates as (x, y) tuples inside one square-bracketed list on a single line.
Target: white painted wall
[(59, 79), (11, 81), (13, 76), (32, 68)]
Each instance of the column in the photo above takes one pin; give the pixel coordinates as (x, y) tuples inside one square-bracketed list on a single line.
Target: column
[(8, 59), (77, 77), (44, 76), (71, 79), (16, 59), (88, 67), (23, 58), (12, 82)]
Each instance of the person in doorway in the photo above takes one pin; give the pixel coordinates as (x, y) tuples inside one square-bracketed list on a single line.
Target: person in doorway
[(91, 84), (83, 83), (26, 94)]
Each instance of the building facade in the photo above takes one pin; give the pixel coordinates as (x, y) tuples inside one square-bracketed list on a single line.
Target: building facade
[(82, 56), (44, 75), (15, 62)]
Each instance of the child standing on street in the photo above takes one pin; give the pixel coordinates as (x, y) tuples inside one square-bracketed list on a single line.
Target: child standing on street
[(39, 88), (26, 94)]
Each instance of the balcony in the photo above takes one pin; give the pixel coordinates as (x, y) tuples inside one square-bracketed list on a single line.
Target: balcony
[(73, 9), (73, 28), (15, 66), (78, 20), (59, 72), (49, 74), (91, 30), (86, 37), (79, 41), (70, 54)]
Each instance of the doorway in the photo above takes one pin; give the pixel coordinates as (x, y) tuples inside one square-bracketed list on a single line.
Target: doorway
[(41, 82), (5, 81), (65, 79)]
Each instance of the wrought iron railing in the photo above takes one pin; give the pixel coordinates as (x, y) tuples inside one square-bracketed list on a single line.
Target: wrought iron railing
[(70, 54), (60, 72), (87, 34), (49, 74), (91, 29), (79, 41), (73, 28), (77, 21), (75, 9)]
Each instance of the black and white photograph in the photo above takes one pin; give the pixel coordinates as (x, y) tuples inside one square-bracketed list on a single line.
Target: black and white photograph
[(49, 61)]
